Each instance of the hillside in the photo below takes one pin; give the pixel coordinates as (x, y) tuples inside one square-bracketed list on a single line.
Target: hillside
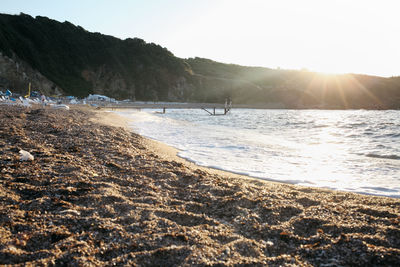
[(301, 89), (80, 62), (61, 58)]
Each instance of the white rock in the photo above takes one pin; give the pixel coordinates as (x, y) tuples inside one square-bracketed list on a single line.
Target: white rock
[(70, 212), (60, 106), (25, 155)]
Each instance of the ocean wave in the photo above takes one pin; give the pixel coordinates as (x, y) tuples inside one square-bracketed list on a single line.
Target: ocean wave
[(351, 125), (371, 155), (383, 189), (321, 126), (391, 135)]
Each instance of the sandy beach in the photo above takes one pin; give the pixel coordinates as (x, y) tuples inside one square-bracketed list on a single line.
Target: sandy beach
[(98, 194)]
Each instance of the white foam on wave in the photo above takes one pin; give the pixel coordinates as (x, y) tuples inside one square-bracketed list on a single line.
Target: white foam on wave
[(371, 155)]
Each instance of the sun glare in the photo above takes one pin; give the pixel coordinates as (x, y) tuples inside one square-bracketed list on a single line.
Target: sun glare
[(328, 74), (323, 36)]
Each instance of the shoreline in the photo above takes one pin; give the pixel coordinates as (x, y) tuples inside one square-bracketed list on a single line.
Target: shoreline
[(195, 105), (100, 195), (167, 151), (163, 150)]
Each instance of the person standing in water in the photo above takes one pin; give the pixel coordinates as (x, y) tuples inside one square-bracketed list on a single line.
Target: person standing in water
[(43, 99)]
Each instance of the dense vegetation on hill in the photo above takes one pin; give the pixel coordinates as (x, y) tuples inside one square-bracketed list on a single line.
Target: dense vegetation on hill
[(301, 89), (79, 62)]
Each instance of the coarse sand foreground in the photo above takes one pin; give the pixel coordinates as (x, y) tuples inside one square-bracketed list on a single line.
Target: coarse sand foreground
[(100, 195)]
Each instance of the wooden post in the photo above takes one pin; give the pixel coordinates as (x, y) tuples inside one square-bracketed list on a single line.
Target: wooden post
[(214, 110), (163, 110)]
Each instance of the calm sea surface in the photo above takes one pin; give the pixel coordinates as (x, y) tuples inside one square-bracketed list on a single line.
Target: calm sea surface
[(352, 150)]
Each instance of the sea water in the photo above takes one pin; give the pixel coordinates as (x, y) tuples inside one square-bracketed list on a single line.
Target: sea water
[(351, 150)]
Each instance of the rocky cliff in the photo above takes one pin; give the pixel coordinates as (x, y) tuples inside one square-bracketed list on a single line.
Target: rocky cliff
[(15, 73)]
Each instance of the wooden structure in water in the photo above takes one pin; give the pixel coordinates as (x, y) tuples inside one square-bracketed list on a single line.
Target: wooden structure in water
[(211, 109), (227, 108), (214, 113)]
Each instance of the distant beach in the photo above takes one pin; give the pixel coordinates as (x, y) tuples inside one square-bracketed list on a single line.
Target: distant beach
[(98, 194)]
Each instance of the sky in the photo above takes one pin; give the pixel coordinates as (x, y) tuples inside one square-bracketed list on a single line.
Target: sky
[(330, 36)]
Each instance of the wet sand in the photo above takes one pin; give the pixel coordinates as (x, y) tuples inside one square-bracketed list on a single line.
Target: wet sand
[(97, 194)]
